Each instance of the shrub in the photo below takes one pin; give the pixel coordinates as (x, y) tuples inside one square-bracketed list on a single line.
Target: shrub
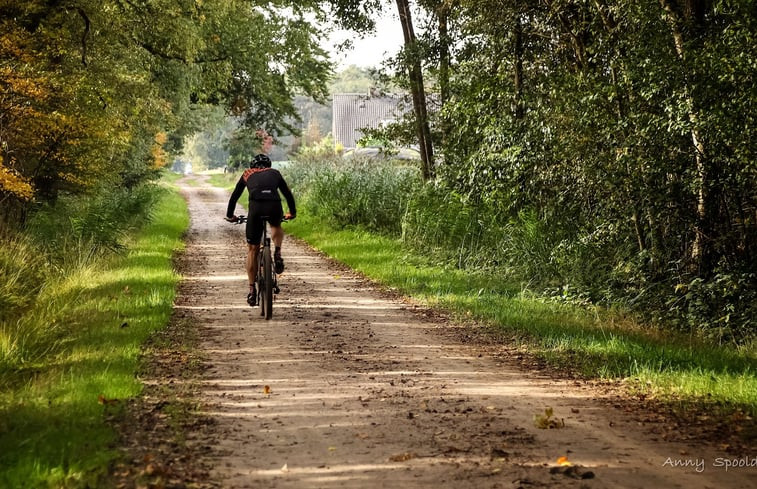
[(722, 309), (78, 229), (587, 264), (440, 223)]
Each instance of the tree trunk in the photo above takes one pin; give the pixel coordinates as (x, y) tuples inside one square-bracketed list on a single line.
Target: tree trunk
[(701, 254), (444, 56), (518, 69), (418, 92), (576, 40)]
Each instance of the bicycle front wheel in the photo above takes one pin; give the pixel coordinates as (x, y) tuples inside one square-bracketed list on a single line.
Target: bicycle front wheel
[(266, 302)]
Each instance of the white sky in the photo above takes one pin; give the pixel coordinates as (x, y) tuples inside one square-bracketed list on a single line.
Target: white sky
[(371, 50)]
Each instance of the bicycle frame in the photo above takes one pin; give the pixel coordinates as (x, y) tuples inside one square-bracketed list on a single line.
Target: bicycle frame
[(266, 278)]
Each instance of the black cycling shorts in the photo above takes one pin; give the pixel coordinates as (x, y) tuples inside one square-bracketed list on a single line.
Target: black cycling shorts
[(260, 212)]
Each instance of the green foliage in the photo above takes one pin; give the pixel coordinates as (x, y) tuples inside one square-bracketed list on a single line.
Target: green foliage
[(722, 309), (439, 222), (355, 192), (106, 90), (613, 144), (59, 241), (89, 226), (207, 148), (538, 251), (354, 79), (323, 149), (242, 145)]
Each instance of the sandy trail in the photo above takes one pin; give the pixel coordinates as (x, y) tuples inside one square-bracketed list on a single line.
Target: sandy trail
[(368, 391)]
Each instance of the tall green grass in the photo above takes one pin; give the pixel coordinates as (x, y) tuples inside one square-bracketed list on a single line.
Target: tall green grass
[(77, 348), (22, 275), (356, 191), (57, 242), (224, 180)]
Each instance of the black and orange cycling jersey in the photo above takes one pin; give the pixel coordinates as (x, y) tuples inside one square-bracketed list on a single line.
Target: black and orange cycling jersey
[(263, 184)]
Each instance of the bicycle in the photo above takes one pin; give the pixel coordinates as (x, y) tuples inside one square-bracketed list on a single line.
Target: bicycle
[(267, 279)]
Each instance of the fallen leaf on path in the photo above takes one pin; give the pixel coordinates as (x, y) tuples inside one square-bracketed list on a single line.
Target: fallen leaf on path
[(285, 468), (403, 457), (563, 462), (547, 421), (267, 389)]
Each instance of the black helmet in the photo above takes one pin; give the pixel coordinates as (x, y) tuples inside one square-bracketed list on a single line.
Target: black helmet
[(261, 161)]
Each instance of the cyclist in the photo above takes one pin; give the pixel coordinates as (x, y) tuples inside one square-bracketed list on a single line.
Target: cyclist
[(263, 184)]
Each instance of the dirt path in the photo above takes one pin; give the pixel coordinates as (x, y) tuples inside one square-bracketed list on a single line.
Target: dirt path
[(367, 391)]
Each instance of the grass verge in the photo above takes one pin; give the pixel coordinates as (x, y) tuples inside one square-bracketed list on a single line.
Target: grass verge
[(224, 180), (54, 412), (595, 344)]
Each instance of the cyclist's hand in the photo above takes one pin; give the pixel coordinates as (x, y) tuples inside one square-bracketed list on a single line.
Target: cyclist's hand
[(289, 216), (231, 219)]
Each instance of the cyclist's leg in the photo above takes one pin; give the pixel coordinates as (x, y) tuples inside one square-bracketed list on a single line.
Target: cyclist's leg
[(277, 236), (275, 215), (251, 264), (254, 232)]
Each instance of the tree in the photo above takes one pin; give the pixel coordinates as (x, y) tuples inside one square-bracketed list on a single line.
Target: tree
[(90, 89), (616, 122)]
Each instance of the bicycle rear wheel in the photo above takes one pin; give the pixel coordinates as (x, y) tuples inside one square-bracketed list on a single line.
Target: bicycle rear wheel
[(266, 302)]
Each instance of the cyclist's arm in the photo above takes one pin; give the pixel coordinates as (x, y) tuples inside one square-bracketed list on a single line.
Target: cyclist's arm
[(284, 188), (238, 191)]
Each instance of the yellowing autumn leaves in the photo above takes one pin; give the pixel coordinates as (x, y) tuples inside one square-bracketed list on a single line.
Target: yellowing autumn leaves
[(12, 183)]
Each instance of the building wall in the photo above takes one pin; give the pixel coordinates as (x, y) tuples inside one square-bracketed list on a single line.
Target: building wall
[(353, 112)]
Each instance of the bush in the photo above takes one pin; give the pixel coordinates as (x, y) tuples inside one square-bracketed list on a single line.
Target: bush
[(722, 309), (581, 265), (79, 229), (439, 222)]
